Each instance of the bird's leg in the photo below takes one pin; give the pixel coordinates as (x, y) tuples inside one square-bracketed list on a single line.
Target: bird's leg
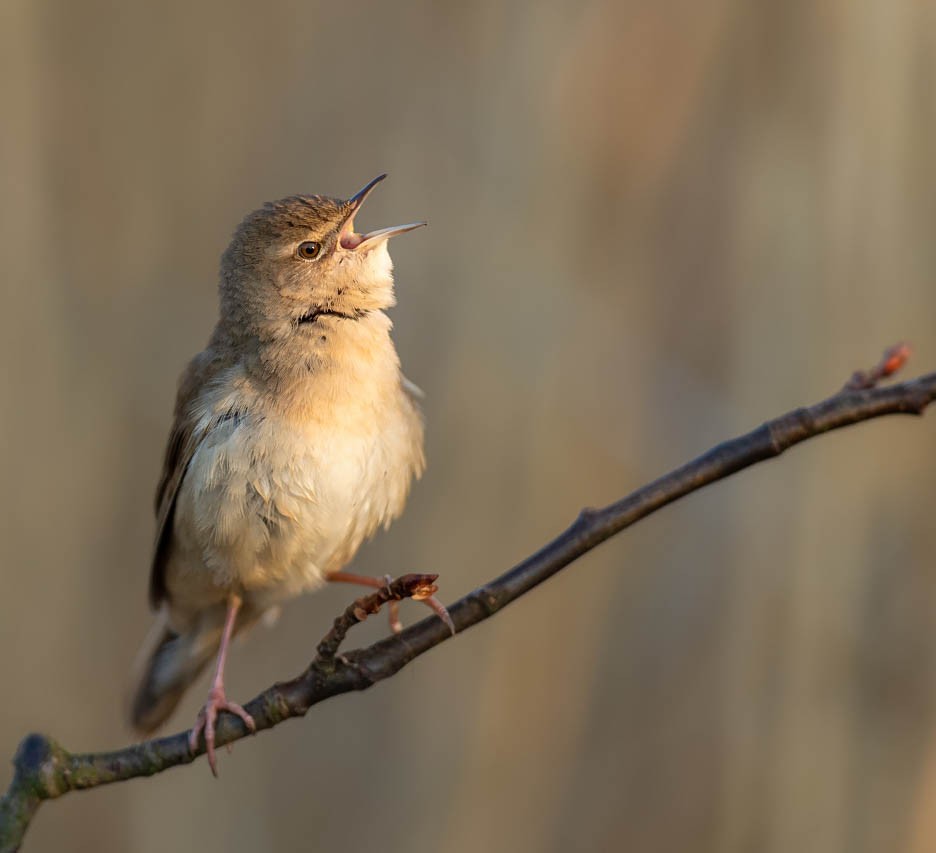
[(217, 700), (394, 609)]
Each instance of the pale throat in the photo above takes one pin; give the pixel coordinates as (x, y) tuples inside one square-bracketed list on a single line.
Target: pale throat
[(336, 362)]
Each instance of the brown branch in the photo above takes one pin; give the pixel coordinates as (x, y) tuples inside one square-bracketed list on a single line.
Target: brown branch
[(44, 770)]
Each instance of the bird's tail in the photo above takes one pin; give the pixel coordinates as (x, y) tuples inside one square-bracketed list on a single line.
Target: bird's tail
[(168, 663)]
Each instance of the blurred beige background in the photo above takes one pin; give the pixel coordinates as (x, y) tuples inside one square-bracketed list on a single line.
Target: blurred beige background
[(652, 226)]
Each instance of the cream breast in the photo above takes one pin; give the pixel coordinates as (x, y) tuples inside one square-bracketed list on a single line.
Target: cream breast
[(273, 501)]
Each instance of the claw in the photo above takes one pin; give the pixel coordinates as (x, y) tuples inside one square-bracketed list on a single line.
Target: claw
[(441, 611)]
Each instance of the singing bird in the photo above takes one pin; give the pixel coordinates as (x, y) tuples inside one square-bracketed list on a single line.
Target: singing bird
[(296, 436)]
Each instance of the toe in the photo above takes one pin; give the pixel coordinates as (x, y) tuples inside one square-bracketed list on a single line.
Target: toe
[(238, 710), (393, 611), (196, 731), (441, 611), (210, 740)]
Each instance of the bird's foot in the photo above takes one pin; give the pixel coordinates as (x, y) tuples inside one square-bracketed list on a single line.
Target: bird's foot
[(438, 608), (207, 718), (426, 595)]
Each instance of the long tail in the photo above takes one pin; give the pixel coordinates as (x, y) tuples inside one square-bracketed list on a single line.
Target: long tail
[(167, 664)]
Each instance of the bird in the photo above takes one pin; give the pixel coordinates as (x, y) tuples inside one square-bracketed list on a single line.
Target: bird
[(295, 437)]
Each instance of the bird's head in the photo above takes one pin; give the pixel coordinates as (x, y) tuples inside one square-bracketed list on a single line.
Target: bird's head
[(297, 267)]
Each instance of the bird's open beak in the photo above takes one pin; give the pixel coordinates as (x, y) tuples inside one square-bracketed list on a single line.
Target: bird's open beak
[(350, 239)]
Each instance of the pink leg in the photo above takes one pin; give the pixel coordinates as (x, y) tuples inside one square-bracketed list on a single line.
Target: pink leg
[(217, 701), (393, 608)]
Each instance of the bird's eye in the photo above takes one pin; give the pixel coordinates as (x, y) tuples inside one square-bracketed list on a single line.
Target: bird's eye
[(309, 250)]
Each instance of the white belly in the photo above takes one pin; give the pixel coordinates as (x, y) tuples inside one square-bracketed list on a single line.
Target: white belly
[(268, 508)]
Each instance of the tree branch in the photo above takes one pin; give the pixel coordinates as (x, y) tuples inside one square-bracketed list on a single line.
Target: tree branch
[(44, 770)]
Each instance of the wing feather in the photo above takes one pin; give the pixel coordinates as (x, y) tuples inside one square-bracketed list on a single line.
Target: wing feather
[(184, 439)]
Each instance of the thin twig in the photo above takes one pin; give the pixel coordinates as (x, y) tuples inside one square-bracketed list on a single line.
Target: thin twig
[(894, 359), (407, 586), (44, 770)]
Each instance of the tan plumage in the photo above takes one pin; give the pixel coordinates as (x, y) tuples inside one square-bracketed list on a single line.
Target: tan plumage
[(295, 436)]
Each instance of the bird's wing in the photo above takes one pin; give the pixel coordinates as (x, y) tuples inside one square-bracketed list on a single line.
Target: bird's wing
[(188, 431)]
